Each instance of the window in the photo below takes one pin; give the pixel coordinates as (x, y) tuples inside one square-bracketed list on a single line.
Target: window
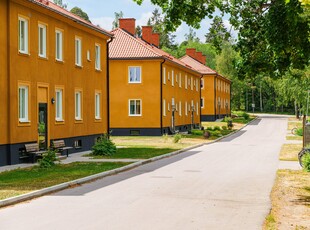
[(164, 75), (42, 41), (164, 107), (97, 106), (88, 55), (185, 108), (197, 106), (23, 35), (135, 107), (202, 102), (168, 106), (172, 78), (202, 83), (78, 51), (192, 86), (59, 97), (23, 103), (176, 78), (134, 74), (185, 81), (97, 60), (168, 76), (197, 84), (180, 80), (180, 108), (59, 49), (78, 105)]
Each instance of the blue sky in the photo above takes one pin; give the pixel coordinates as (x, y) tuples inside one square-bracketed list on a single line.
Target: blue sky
[(102, 12)]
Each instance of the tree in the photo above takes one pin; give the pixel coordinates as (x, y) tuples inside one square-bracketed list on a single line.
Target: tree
[(217, 33), (79, 12), (191, 36), (60, 3), (117, 16), (139, 31)]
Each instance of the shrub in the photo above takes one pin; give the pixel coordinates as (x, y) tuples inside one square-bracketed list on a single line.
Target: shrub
[(209, 128), (104, 147), (206, 134), (197, 132), (177, 137), (216, 128), (306, 162), (216, 133), (48, 159), (299, 132), (245, 115), (225, 132), (224, 127)]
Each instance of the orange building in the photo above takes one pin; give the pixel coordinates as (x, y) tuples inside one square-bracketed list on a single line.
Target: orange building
[(152, 93), (53, 78), (215, 89)]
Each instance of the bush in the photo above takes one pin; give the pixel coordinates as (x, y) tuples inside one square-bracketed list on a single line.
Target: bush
[(306, 162), (209, 128), (104, 147), (224, 127), (177, 137), (216, 133), (299, 132), (48, 159), (216, 128), (197, 132), (206, 134)]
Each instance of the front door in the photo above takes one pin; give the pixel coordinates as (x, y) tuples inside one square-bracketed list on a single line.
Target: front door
[(42, 126)]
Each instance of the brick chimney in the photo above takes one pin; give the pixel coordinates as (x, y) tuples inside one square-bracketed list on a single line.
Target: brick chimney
[(128, 24), (191, 52), (199, 56), (204, 59), (155, 39), (147, 34)]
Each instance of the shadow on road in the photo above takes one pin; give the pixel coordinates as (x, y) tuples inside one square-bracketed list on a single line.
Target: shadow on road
[(106, 181), (256, 122), (234, 136)]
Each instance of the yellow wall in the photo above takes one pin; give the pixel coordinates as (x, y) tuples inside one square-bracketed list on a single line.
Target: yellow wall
[(3, 74), (49, 74), (180, 94), (148, 91), (207, 94)]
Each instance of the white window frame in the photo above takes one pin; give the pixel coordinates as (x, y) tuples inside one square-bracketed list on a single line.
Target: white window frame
[(197, 84), (168, 106), (164, 108), (58, 45), (59, 105), (185, 109), (185, 81), (97, 57), (202, 102), (42, 40), (78, 105), (197, 107), (134, 80), (78, 51), (180, 108), (168, 76), (192, 86), (135, 114), (172, 78), (202, 83), (97, 106), (25, 106), (164, 75), (23, 45), (180, 80)]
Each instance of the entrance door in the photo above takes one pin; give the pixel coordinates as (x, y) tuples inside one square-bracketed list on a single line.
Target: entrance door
[(42, 126)]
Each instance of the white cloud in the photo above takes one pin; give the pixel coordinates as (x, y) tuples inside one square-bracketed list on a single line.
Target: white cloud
[(142, 21), (103, 22)]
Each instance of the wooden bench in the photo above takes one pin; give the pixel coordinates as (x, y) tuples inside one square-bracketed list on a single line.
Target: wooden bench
[(61, 146), (34, 151)]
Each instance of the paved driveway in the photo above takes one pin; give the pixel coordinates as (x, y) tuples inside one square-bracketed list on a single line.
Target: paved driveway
[(225, 185)]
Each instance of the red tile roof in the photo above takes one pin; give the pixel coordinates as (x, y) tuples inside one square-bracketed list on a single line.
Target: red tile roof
[(126, 46), (57, 9)]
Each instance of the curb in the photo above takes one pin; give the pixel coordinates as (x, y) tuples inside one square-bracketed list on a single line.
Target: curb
[(55, 188)]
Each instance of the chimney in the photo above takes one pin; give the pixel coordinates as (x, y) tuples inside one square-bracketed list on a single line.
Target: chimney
[(199, 56), (147, 34), (128, 24), (204, 59), (191, 52), (155, 39)]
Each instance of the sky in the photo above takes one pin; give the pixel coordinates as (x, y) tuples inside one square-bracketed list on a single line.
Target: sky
[(102, 13)]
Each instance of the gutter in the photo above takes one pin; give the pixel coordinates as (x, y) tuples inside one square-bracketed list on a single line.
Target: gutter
[(215, 112), (161, 96), (108, 88), (200, 99)]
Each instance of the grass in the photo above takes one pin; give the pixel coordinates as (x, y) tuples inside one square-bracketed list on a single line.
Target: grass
[(290, 199), (135, 153), (21, 181), (294, 138), (289, 152)]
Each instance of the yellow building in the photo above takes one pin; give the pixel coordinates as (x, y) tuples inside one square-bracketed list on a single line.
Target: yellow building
[(53, 78), (152, 93), (215, 89)]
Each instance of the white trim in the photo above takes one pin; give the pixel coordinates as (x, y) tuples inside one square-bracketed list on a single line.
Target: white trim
[(172, 78), (185, 109), (202, 83), (59, 117), (134, 80), (180, 108), (135, 104), (185, 81), (164, 75), (78, 51), (23, 108), (58, 45), (97, 57), (180, 80), (23, 27), (164, 108), (97, 105), (78, 105), (42, 40)]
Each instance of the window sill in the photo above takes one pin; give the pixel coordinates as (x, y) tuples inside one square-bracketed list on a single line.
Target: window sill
[(43, 58), (98, 70), (78, 121), (98, 120), (130, 115), (24, 123), (59, 122), (78, 66), (136, 82), (59, 61), (23, 54)]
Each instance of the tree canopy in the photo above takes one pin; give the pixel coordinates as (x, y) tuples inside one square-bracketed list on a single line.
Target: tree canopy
[(79, 12)]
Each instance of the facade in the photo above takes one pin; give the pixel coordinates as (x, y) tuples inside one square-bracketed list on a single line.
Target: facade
[(152, 93), (53, 78), (215, 89)]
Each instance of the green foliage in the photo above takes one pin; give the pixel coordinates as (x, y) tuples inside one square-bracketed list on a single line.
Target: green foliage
[(79, 12), (216, 133), (299, 132), (224, 127), (197, 132), (177, 138), (60, 3), (117, 16), (216, 128), (48, 159), (104, 147), (306, 162), (245, 115), (41, 128)]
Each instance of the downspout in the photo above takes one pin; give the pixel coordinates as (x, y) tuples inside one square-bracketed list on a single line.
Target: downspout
[(108, 88), (215, 112), (161, 96), (230, 97), (200, 100), (9, 160)]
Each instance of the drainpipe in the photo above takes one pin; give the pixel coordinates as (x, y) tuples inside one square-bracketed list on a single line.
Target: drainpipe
[(215, 110), (108, 88), (9, 160), (161, 96), (200, 99)]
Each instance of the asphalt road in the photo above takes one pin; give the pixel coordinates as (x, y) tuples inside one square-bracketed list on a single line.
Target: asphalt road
[(225, 185)]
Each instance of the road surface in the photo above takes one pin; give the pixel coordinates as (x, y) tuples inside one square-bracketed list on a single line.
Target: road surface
[(225, 185)]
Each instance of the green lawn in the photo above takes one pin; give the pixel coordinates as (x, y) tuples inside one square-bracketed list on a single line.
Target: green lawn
[(136, 153), (21, 181)]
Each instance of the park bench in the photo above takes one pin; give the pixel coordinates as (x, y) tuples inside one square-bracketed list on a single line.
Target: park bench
[(61, 146), (33, 150)]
